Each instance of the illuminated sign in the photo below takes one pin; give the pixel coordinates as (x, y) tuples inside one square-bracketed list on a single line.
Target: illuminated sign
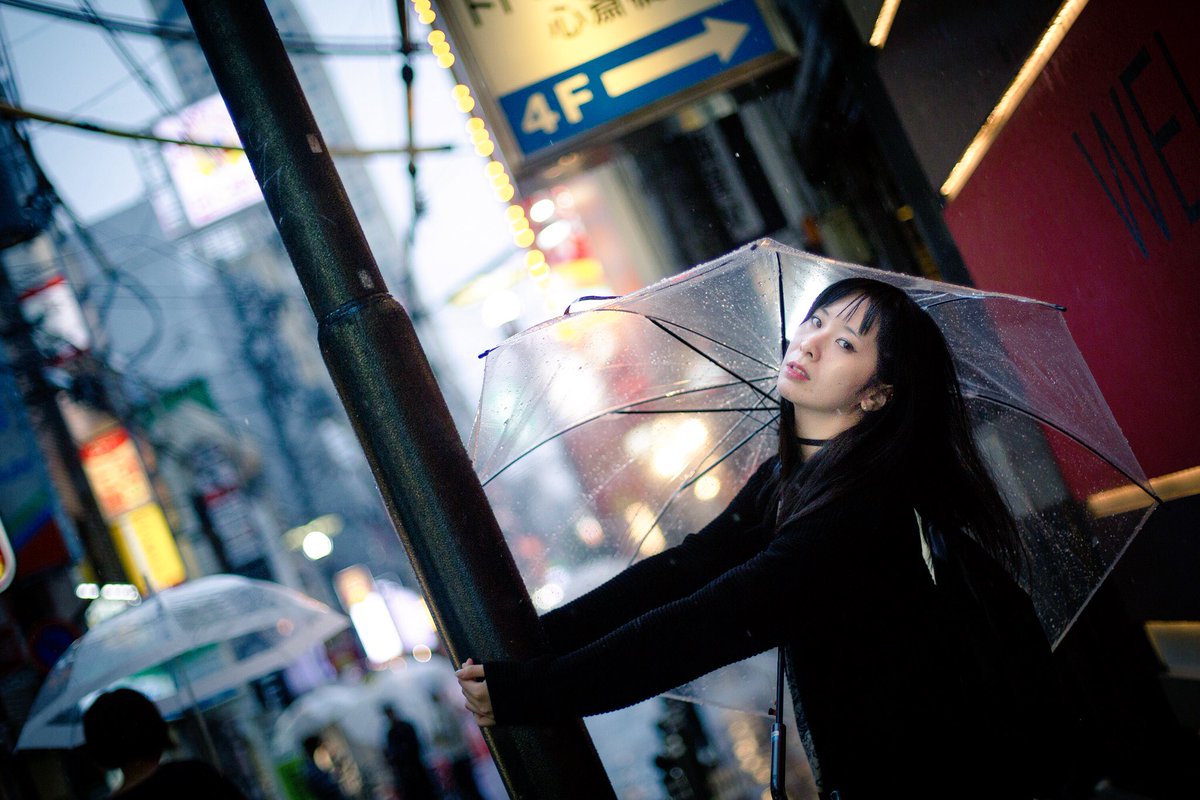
[(34, 532), (210, 183), (115, 473), (61, 329), (139, 529), (147, 549), (369, 614), (556, 75)]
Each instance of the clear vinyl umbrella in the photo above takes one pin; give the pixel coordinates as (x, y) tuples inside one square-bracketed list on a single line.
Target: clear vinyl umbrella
[(617, 430), (182, 646)]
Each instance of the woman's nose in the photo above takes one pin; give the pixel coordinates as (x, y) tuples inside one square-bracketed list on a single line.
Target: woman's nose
[(810, 345)]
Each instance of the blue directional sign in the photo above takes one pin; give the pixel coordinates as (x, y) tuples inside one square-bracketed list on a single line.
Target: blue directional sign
[(657, 66)]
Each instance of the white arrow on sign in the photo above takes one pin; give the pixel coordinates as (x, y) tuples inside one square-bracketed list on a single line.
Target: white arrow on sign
[(720, 38)]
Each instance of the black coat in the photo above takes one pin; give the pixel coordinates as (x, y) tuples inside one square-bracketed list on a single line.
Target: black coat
[(883, 659)]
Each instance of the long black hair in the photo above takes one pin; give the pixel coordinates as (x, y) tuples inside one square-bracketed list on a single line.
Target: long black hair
[(918, 443)]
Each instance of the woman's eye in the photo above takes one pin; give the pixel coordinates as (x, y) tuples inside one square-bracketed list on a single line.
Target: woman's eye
[(845, 345), (816, 321)]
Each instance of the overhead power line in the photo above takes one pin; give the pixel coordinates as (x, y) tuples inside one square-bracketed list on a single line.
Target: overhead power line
[(295, 44), (15, 112)]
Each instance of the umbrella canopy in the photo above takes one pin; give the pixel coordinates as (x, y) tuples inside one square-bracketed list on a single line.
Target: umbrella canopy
[(315, 711), (186, 644), (358, 709), (623, 427)]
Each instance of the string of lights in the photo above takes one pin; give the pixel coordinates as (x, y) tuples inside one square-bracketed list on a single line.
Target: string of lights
[(481, 140)]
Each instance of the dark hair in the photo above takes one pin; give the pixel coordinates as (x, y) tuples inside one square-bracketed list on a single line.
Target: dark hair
[(919, 442), (124, 725)]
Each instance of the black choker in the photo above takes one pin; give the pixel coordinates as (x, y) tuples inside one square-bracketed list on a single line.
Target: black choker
[(813, 442)]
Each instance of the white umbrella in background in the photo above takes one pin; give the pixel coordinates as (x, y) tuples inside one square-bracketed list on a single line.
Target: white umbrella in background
[(313, 712), (185, 645)]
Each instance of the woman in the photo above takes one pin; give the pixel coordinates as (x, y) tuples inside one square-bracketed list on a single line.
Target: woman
[(909, 651)]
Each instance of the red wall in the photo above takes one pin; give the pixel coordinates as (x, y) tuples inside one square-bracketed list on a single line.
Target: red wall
[(1117, 241)]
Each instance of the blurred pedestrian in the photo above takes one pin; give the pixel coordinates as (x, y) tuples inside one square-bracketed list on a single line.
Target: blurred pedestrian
[(451, 744), (322, 784), (402, 749), (124, 730)]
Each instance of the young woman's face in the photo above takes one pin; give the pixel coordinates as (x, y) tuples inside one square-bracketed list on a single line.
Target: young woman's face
[(829, 368)]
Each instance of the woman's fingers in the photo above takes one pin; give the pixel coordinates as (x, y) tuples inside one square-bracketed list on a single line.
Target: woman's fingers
[(470, 672), (475, 691)]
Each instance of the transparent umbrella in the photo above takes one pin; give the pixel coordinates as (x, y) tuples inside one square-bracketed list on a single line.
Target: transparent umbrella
[(619, 429), (181, 647)]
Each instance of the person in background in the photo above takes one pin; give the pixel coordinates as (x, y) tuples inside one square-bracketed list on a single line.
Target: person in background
[(321, 784), (124, 730), (402, 749), (451, 744)]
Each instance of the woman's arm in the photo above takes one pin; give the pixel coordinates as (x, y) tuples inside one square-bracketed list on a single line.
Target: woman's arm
[(731, 538), (742, 612)]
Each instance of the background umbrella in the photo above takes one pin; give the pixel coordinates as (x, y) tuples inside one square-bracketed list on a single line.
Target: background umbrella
[(182, 646), (619, 429)]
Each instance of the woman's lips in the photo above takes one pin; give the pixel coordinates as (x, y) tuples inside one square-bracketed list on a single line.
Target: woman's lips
[(795, 372)]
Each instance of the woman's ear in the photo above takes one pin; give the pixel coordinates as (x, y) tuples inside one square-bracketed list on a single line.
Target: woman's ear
[(876, 397)]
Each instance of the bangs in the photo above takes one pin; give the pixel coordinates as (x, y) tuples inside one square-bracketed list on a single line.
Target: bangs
[(863, 291)]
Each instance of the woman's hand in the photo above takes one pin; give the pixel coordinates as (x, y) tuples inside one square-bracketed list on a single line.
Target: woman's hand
[(475, 690)]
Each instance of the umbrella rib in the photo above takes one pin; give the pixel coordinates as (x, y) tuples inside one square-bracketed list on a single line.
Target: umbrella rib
[(783, 339), (1069, 435), (693, 411), (1028, 300), (660, 323), (621, 410), (683, 487), (668, 395)]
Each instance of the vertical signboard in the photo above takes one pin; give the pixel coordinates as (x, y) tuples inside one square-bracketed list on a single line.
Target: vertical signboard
[(556, 76), (139, 529), (30, 517)]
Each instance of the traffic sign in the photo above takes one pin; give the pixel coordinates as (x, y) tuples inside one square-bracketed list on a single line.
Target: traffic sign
[(557, 75)]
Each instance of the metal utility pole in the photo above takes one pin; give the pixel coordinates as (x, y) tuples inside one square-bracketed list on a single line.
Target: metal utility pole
[(384, 380)]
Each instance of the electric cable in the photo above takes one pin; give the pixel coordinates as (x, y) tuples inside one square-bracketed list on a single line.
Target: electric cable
[(10, 111), (130, 60), (301, 45)]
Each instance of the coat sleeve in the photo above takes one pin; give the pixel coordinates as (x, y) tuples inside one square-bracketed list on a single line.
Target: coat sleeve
[(741, 612), (732, 537)]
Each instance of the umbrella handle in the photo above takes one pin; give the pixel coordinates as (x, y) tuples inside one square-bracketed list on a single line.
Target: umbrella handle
[(778, 739), (778, 758)]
